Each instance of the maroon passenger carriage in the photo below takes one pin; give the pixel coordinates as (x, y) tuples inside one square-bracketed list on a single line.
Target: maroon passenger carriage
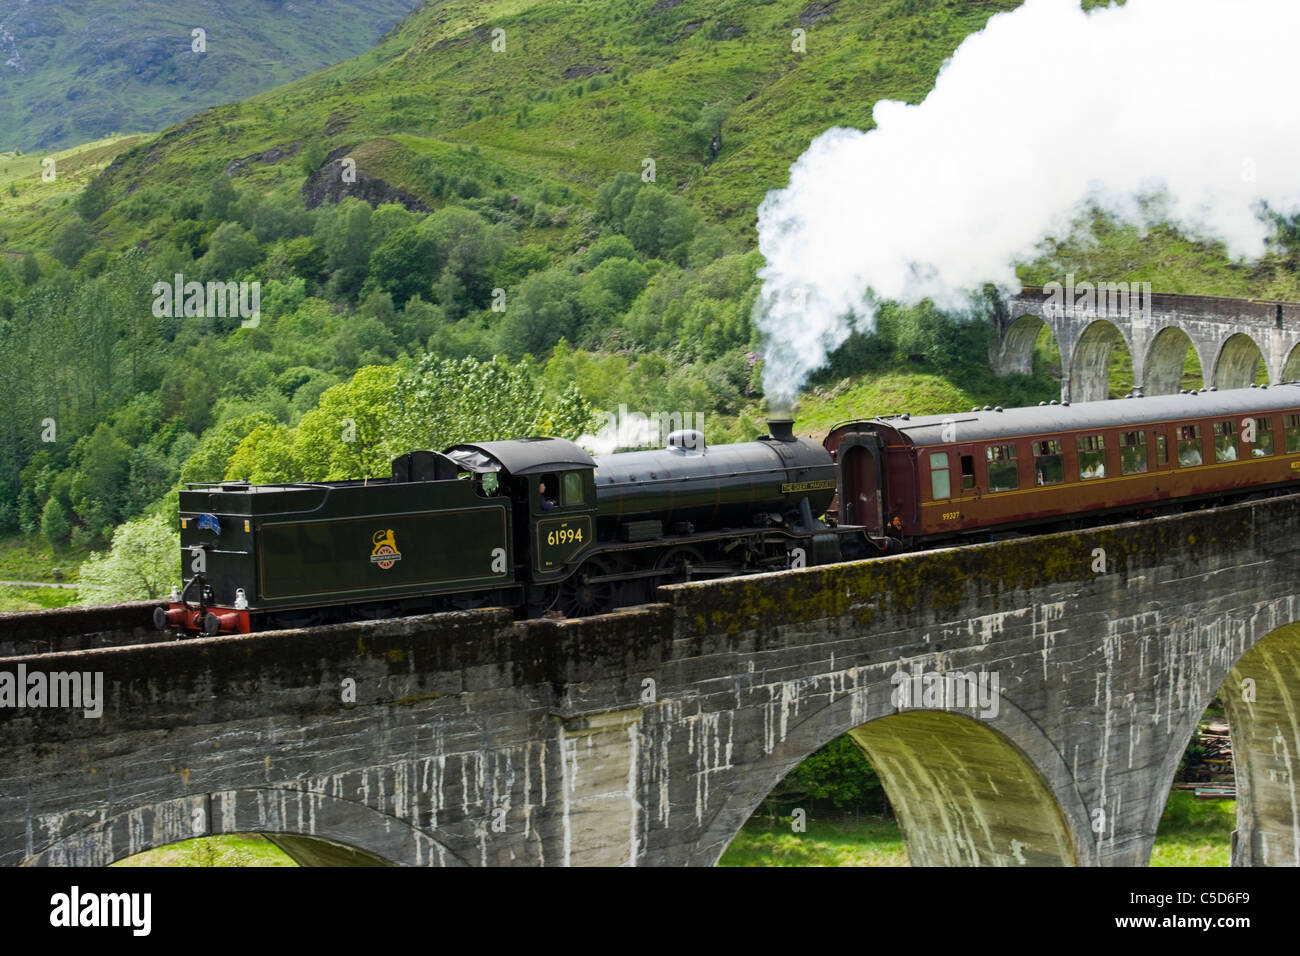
[(921, 480)]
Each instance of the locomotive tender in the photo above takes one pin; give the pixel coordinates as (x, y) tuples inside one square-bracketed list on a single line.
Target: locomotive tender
[(538, 525)]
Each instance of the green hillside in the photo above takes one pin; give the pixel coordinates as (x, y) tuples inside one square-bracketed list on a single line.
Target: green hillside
[(581, 92), (79, 70), (503, 247)]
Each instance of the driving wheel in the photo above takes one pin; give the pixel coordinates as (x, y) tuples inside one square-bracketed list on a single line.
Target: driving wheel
[(680, 563), (580, 596)]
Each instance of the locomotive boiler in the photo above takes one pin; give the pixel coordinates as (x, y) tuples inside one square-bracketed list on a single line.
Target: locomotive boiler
[(690, 485)]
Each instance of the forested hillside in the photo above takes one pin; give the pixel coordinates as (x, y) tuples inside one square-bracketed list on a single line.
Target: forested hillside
[(534, 233), (76, 70)]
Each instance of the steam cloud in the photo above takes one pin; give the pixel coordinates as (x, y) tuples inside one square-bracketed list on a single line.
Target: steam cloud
[(1044, 111)]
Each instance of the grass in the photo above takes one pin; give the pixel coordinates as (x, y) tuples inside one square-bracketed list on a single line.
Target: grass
[(28, 203), (875, 841), (887, 394), (32, 558), (1192, 833), (926, 386), (1103, 249), (239, 849), (582, 92), (34, 599)]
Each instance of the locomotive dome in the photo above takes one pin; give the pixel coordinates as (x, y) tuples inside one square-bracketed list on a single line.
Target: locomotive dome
[(1109, 413)]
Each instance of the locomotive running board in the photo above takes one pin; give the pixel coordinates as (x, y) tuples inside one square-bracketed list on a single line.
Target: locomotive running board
[(713, 569)]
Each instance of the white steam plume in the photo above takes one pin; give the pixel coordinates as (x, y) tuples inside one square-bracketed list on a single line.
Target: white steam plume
[(1045, 110)]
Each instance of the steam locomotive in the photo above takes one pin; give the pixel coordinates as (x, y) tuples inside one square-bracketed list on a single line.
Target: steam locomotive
[(540, 526), (534, 524)]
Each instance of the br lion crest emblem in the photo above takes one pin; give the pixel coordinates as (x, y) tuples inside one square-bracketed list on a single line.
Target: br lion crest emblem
[(385, 553)]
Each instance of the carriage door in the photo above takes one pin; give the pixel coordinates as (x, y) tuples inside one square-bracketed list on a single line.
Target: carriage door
[(860, 483)]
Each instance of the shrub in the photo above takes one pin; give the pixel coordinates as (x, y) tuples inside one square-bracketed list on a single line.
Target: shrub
[(54, 522)]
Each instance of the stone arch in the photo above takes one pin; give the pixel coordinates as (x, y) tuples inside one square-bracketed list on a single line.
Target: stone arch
[(1264, 721), (1291, 368), (1235, 364), (1165, 362), (1090, 367), (945, 773), (964, 795), (1265, 734), (313, 828), (1016, 354)]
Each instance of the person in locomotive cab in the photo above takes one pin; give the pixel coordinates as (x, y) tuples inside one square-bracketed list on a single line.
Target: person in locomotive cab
[(545, 502)]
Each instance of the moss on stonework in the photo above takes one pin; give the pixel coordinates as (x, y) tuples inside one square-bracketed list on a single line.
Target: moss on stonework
[(414, 699), (942, 582)]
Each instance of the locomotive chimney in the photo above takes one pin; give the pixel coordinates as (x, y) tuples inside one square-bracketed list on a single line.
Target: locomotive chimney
[(782, 429)]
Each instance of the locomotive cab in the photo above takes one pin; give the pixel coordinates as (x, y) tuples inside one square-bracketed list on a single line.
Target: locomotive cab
[(552, 485), (562, 513)]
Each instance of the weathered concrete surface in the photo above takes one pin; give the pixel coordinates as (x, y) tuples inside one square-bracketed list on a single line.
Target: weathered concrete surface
[(648, 736), (1230, 337), (313, 851), (964, 794), (78, 628), (1262, 700)]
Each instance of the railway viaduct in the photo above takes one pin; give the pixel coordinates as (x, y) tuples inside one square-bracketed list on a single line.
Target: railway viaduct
[(648, 736), (1231, 337)]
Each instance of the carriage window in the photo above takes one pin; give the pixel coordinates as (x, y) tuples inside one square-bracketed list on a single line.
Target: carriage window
[(1049, 463), (1132, 452), (1292, 433), (1225, 441), (1162, 453), (573, 488), (1189, 445), (940, 486), (1263, 445), (1092, 456), (1002, 468), (967, 472)]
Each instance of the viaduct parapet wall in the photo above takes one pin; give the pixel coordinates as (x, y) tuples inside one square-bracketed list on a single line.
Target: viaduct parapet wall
[(648, 736)]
